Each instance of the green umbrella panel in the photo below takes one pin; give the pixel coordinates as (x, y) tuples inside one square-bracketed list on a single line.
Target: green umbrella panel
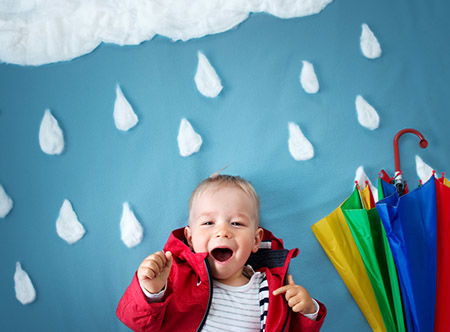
[(372, 243)]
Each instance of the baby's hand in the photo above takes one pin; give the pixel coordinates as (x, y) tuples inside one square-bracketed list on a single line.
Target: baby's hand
[(297, 297), (154, 271)]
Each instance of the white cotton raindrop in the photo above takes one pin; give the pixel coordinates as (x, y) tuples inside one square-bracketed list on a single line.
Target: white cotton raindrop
[(51, 137), (124, 116), (25, 292), (299, 146), (423, 170), (131, 231), (206, 78), (67, 225), (189, 141), (361, 177), (308, 78), (367, 115), (6, 203), (370, 46)]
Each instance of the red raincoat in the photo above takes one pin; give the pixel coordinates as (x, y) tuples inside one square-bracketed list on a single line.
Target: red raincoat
[(187, 297)]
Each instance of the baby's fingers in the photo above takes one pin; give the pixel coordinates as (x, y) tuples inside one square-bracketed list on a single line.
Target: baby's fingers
[(159, 258), (146, 273), (285, 288), (281, 290), (150, 269), (169, 259), (295, 301), (299, 307)]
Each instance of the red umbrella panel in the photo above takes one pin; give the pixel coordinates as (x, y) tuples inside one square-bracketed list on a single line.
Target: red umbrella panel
[(442, 314)]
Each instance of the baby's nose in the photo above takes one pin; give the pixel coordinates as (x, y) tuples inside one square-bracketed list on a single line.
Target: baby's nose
[(223, 231)]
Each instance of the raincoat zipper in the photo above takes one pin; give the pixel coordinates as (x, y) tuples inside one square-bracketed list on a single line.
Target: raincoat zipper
[(210, 295)]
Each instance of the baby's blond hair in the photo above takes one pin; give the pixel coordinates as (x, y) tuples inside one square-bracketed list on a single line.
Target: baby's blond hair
[(222, 180)]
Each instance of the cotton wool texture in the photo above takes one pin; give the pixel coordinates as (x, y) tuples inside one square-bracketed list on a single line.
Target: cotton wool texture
[(423, 170), (131, 230), (369, 44), (206, 79), (68, 227), (6, 203), (361, 177), (124, 116), (308, 78), (51, 138), (56, 24), (25, 292), (367, 115), (189, 142), (299, 146)]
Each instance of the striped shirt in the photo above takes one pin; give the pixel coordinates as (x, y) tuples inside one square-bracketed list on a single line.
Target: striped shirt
[(238, 309)]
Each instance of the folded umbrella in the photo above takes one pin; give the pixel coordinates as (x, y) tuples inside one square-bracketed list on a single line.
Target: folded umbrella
[(410, 225), (370, 238), (367, 197), (335, 238), (385, 189)]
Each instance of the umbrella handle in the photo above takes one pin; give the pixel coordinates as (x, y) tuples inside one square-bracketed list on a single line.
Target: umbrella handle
[(423, 143)]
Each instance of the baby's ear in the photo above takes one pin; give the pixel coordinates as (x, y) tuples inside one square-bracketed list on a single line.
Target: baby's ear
[(188, 235), (258, 238)]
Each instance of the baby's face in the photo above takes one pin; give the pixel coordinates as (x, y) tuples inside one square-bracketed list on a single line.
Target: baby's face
[(222, 222)]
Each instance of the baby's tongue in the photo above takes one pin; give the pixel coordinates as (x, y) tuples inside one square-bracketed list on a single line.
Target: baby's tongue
[(222, 254)]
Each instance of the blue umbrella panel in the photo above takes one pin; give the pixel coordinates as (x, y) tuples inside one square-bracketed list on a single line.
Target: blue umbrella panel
[(410, 225)]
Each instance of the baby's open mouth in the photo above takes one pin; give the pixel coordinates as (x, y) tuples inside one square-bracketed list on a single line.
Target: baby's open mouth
[(222, 254)]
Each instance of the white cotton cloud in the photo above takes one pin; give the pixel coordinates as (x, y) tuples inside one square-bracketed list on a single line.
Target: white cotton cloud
[(189, 141), (299, 146), (51, 138), (370, 46), (6, 203), (424, 171), (206, 78), (25, 292), (68, 226), (124, 116), (131, 231), (44, 31), (308, 78), (367, 115), (361, 177)]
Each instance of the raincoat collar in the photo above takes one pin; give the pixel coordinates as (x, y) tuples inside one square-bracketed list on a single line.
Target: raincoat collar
[(271, 255)]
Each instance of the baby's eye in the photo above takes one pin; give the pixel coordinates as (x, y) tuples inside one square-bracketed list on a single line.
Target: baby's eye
[(237, 223), (207, 223)]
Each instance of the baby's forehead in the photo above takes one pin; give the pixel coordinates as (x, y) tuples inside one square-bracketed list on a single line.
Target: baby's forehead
[(199, 206), (208, 191)]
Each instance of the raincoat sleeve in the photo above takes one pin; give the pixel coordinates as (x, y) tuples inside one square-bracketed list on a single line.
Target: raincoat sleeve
[(136, 312), (304, 324)]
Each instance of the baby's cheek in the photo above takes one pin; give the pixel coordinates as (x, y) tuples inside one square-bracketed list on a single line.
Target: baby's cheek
[(200, 247)]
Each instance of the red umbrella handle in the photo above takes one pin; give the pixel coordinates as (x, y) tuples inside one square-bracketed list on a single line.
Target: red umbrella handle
[(398, 181), (423, 144)]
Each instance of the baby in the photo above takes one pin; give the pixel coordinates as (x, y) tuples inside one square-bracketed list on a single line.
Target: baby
[(220, 273)]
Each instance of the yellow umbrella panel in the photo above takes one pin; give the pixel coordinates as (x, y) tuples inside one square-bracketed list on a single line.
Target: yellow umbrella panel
[(336, 239), (367, 198)]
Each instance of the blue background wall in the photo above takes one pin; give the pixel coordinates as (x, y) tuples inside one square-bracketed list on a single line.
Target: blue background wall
[(78, 286)]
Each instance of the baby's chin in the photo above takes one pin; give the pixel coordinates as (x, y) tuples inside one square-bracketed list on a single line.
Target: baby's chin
[(220, 275)]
